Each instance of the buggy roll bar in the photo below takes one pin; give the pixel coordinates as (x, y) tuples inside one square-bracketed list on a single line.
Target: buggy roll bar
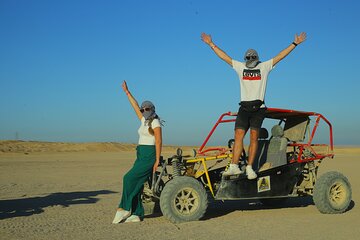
[(220, 120), (277, 113)]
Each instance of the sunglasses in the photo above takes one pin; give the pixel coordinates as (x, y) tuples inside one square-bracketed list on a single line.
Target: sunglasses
[(145, 109), (250, 57)]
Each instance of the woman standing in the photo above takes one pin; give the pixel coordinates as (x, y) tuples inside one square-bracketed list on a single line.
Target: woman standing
[(148, 154)]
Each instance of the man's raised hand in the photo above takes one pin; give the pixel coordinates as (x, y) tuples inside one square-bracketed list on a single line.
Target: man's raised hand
[(206, 38), (300, 38)]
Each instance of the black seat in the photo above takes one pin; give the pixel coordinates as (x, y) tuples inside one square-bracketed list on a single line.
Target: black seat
[(263, 143)]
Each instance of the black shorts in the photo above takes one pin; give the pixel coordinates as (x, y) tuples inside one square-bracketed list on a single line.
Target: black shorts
[(254, 120)]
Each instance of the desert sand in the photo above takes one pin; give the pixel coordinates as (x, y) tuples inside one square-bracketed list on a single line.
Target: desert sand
[(71, 191)]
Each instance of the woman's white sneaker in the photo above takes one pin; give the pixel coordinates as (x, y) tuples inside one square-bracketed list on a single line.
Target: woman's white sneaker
[(120, 216), (133, 218)]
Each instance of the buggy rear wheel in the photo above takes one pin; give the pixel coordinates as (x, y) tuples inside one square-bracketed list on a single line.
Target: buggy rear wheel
[(183, 199), (332, 193)]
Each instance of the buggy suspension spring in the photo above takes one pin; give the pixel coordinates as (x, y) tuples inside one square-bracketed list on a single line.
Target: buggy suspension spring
[(311, 165), (176, 167), (312, 171)]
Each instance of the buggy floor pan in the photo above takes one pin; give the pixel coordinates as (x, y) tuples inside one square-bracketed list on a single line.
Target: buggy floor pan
[(275, 182)]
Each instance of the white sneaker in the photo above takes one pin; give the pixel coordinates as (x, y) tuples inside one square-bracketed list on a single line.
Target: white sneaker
[(120, 215), (250, 172), (233, 169), (133, 218)]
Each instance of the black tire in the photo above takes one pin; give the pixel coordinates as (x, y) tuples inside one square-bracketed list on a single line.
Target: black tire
[(332, 193), (183, 199)]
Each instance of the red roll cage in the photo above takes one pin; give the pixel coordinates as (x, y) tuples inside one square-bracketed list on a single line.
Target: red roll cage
[(277, 113)]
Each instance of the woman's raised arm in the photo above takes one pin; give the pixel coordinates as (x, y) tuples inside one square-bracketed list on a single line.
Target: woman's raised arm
[(132, 100)]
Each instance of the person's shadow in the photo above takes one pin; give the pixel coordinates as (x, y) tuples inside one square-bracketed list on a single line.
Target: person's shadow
[(35, 205)]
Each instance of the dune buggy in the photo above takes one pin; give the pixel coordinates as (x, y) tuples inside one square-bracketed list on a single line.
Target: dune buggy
[(286, 163)]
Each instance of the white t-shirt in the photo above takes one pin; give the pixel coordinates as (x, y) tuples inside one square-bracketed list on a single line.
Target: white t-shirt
[(253, 80), (145, 138)]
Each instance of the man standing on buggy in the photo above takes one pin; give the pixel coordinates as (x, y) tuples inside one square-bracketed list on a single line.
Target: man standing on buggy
[(253, 76)]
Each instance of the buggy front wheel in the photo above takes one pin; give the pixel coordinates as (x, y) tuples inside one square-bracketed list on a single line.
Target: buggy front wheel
[(183, 199), (332, 193)]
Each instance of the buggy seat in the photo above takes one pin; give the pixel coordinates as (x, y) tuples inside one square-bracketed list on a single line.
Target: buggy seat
[(276, 154), (271, 153)]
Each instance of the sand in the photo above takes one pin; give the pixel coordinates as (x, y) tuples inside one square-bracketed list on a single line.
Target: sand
[(63, 193)]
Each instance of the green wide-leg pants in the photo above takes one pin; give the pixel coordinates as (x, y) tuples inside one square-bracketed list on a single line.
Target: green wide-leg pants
[(134, 179)]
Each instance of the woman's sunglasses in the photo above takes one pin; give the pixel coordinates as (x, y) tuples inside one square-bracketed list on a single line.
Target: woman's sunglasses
[(145, 109), (250, 57)]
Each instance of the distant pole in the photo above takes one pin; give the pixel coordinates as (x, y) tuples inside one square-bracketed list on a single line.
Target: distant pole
[(17, 136)]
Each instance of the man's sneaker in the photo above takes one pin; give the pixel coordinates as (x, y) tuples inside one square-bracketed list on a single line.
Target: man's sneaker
[(250, 172), (233, 169), (121, 215), (133, 218)]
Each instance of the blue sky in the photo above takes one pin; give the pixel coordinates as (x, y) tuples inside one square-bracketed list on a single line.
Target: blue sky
[(62, 64)]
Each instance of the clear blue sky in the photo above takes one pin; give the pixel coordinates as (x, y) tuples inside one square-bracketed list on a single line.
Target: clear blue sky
[(62, 64)]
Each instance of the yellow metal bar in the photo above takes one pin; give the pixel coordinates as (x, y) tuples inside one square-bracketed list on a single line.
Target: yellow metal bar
[(208, 158), (203, 161), (207, 177), (199, 173)]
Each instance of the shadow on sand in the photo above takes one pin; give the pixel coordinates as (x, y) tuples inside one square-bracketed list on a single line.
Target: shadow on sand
[(219, 208), (35, 205)]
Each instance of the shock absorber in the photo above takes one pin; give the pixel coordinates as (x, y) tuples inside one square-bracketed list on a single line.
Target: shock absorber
[(176, 168), (312, 172)]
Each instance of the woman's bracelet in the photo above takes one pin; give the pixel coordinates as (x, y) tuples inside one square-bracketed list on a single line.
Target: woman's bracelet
[(294, 43)]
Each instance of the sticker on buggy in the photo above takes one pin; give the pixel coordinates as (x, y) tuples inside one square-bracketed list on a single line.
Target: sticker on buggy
[(263, 184)]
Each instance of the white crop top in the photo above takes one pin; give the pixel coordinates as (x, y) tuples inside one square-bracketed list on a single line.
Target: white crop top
[(145, 138)]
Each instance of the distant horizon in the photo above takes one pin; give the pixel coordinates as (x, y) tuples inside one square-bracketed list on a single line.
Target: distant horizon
[(133, 143)]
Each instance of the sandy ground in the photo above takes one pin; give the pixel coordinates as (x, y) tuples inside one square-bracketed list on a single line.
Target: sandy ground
[(73, 195)]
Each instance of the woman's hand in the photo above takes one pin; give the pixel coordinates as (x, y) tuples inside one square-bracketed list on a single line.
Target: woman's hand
[(125, 87), (155, 167)]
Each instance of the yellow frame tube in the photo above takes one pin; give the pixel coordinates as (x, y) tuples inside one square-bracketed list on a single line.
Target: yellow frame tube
[(203, 161)]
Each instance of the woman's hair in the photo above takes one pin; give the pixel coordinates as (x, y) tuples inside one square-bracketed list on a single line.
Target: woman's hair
[(151, 130)]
